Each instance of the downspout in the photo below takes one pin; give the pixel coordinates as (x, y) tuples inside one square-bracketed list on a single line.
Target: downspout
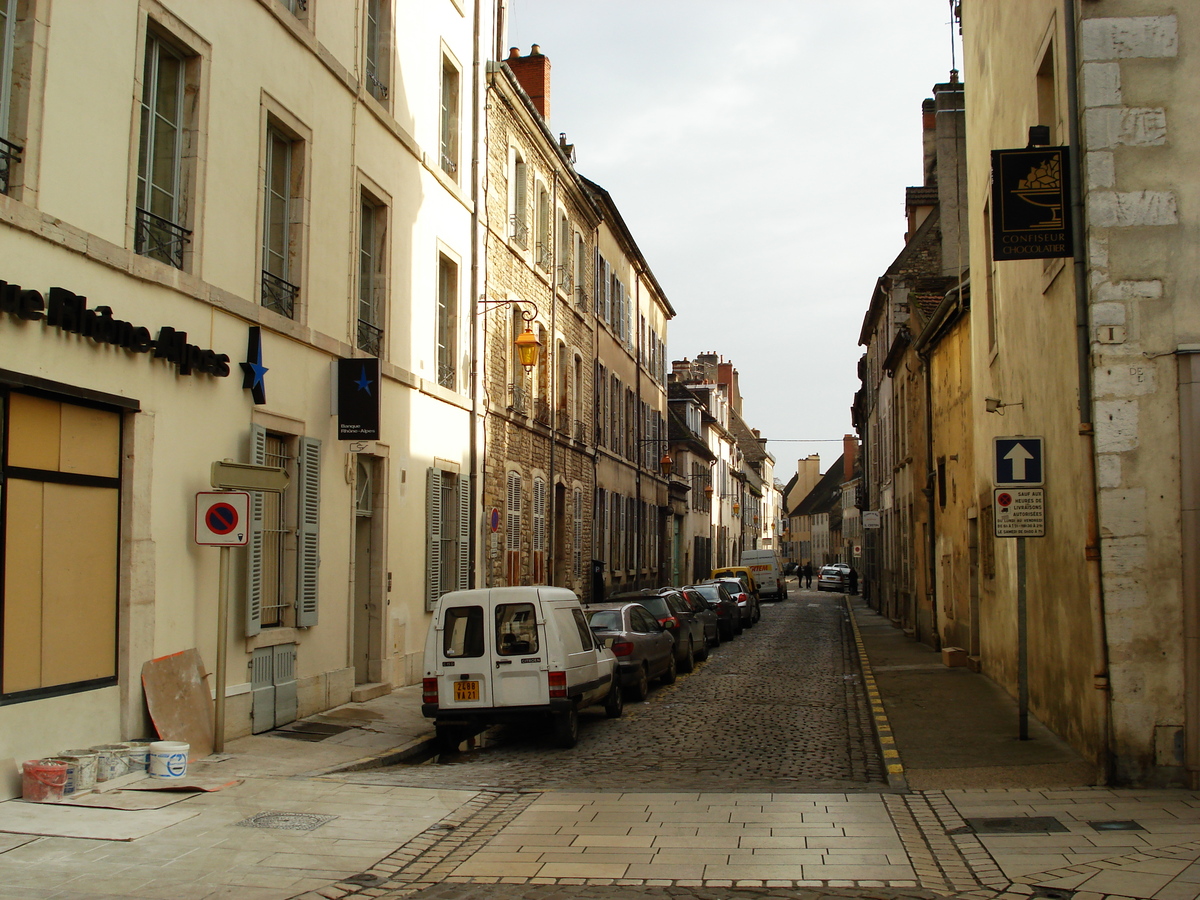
[(930, 493), (552, 358), (1086, 430), (639, 436), (473, 540)]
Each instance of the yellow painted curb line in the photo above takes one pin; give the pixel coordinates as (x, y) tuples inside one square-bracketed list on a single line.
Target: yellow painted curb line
[(883, 728)]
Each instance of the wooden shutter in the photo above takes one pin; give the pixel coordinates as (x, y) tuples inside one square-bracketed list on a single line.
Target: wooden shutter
[(433, 537), (308, 521), (464, 533), (254, 538)]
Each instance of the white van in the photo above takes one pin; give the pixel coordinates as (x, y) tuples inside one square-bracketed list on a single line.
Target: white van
[(511, 654), (767, 571)]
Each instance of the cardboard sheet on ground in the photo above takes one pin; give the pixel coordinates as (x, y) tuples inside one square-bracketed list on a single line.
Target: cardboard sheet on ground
[(57, 820), (128, 799), (179, 700)]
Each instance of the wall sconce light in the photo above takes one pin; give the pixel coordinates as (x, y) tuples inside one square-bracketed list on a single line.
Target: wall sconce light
[(665, 463), (527, 344), (994, 405)]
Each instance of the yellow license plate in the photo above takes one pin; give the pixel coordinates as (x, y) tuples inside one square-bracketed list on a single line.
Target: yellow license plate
[(465, 691)]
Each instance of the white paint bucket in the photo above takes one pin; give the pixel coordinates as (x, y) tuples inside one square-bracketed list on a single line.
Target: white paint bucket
[(168, 759), (139, 755), (81, 770), (113, 761)]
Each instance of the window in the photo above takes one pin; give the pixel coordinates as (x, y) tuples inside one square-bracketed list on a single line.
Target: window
[(378, 48), (283, 166), (284, 541), (577, 396), (512, 529), (581, 297), (564, 270), (372, 282), (516, 629), (448, 530), (450, 115), (298, 8), (518, 199), (447, 323), (462, 632), (60, 489), (577, 535), (539, 530), (542, 224), (161, 209), (16, 47)]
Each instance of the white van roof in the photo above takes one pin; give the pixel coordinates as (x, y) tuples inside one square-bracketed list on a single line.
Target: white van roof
[(513, 594)]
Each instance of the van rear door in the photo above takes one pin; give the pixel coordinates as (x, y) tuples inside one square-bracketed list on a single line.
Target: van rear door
[(518, 677), (464, 679)]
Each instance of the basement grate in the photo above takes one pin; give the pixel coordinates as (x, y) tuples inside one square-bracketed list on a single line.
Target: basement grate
[(286, 821), (1017, 825), (1117, 825), (309, 731)]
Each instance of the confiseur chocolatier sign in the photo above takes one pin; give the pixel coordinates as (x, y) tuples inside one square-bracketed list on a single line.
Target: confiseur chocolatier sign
[(1031, 204)]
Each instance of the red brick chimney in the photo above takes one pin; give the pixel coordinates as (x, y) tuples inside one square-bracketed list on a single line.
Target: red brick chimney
[(849, 454), (533, 74)]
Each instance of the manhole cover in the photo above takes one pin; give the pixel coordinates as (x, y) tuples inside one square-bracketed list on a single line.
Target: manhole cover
[(1017, 825), (1118, 825), (286, 821), (364, 878)]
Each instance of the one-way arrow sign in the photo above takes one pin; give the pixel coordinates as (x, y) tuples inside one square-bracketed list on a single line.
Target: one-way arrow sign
[(1018, 461)]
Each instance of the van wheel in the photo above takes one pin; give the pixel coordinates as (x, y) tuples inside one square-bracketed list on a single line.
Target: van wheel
[(615, 704), (448, 738), (566, 728), (640, 689), (668, 677)]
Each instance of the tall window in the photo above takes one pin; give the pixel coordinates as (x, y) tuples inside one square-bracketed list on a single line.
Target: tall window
[(564, 271), (280, 246), (14, 60), (378, 48), (538, 531), (542, 225), (518, 198), (450, 115), (447, 323), (580, 273), (159, 231), (577, 535), (372, 287), (447, 522), (512, 530)]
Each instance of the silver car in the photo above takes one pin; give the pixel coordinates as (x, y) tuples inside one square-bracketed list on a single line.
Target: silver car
[(643, 648)]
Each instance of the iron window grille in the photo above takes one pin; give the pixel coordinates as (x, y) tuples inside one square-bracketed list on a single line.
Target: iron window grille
[(279, 295), (370, 337), (518, 399), (566, 281), (581, 297), (564, 421), (448, 376), (581, 432), (541, 412), (543, 255), (10, 155), (160, 238), (520, 230)]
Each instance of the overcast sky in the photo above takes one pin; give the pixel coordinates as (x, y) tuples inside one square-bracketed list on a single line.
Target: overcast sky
[(758, 151)]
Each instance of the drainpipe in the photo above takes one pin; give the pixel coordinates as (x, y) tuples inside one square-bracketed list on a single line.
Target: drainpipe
[(1086, 430), (551, 531), (473, 540), (930, 492)]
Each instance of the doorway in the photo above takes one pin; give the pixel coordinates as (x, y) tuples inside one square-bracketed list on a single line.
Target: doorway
[(367, 652)]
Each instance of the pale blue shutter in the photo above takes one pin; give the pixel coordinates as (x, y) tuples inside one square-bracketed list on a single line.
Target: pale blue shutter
[(433, 532), (254, 538), (308, 521), (464, 533)]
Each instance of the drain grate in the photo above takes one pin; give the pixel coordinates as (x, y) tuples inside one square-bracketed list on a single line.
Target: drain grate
[(1117, 825), (309, 731), (286, 821), (1017, 825), (1048, 893)]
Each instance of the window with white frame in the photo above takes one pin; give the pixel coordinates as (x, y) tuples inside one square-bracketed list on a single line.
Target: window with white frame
[(451, 79), (372, 273), (377, 48), (447, 523), (580, 273), (283, 175), (564, 271), (542, 225), (512, 529), (16, 64), (538, 530), (447, 323), (518, 198)]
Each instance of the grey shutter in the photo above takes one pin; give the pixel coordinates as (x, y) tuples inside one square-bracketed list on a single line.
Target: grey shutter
[(464, 533), (433, 531), (284, 676), (254, 538), (308, 521)]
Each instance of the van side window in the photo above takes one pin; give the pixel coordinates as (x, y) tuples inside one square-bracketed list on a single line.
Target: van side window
[(516, 629), (585, 633), (462, 634)]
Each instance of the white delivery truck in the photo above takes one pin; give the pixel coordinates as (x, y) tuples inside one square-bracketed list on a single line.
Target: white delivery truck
[(512, 654), (768, 572)]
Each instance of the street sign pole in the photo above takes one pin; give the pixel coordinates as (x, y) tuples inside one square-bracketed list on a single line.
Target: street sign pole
[(222, 636), (1022, 647)]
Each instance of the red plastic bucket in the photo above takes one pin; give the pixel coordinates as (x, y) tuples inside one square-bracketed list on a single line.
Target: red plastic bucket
[(43, 780)]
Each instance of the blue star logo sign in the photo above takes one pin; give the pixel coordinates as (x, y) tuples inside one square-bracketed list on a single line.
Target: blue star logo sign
[(363, 383), (253, 370)]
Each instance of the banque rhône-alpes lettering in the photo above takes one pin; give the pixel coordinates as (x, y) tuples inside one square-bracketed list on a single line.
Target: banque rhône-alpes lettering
[(69, 312)]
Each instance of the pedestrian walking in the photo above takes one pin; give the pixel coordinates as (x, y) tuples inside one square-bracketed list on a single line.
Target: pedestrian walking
[(853, 580), (808, 575)]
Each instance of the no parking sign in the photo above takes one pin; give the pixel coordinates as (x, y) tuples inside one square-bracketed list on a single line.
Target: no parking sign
[(221, 518)]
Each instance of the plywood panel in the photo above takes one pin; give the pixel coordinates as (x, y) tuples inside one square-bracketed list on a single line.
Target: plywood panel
[(23, 587), (79, 602), (179, 700), (90, 442), (34, 429)]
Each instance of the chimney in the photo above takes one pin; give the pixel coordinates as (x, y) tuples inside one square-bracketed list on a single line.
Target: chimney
[(533, 74), (849, 454), (929, 139)]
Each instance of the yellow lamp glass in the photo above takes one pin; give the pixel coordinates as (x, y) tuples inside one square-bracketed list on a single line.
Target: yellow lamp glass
[(527, 348)]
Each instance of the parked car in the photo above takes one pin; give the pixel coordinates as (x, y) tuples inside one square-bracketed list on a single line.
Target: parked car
[(719, 600), (643, 648), (512, 654), (746, 601), (672, 612), (767, 570), (834, 577), (742, 574), (706, 614)]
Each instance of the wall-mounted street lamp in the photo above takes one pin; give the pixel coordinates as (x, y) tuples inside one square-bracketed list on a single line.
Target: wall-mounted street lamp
[(665, 463), (527, 344)]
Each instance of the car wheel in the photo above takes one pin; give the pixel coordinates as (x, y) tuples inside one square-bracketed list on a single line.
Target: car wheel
[(689, 658), (704, 645), (566, 728), (448, 738), (717, 636), (757, 612), (615, 704), (740, 626), (640, 689), (668, 677)]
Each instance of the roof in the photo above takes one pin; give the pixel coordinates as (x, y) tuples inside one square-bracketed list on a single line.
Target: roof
[(925, 195), (825, 492)]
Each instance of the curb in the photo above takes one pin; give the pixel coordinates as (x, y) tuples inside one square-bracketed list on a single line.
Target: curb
[(418, 747), (883, 728)]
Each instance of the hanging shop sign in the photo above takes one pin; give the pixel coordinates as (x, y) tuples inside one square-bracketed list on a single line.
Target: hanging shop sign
[(69, 312), (356, 398), (253, 371), (1031, 205)]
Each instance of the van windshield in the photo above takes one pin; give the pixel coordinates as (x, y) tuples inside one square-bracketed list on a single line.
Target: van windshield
[(516, 629), (462, 634)]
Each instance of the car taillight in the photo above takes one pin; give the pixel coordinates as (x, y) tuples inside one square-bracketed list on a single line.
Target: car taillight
[(669, 622), (558, 684), (622, 648), (429, 690)]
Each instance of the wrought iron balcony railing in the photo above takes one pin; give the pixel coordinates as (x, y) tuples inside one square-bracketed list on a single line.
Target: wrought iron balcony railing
[(378, 89), (542, 256), (160, 238), (518, 399), (541, 412), (566, 281), (279, 295), (581, 297), (448, 376), (520, 230), (10, 155), (581, 432), (370, 337), (448, 164), (564, 421)]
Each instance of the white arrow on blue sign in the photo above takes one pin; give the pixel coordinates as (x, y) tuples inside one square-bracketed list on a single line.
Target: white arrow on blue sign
[(1018, 461)]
